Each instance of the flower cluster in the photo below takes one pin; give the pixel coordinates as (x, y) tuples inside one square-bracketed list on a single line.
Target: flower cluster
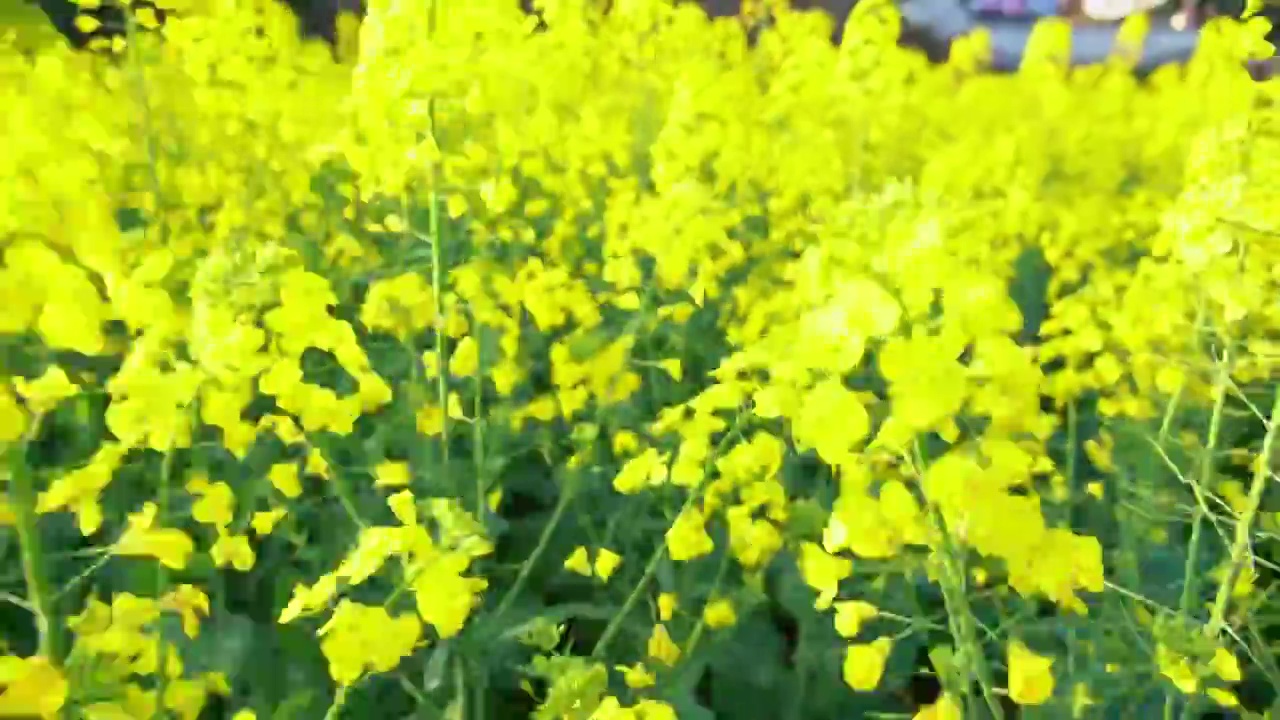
[(484, 367)]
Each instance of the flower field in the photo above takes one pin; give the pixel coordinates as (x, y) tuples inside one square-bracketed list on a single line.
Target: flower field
[(624, 370)]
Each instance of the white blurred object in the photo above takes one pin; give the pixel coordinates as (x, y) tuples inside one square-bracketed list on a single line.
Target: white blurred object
[(1117, 9), (1179, 21)]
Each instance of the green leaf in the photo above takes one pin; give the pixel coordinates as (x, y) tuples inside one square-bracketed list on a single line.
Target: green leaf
[(433, 671), (28, 24), (943, 659), (295, 706), (789, 590), (224, 644), (688, 708), (1029, 289), (748, 671)]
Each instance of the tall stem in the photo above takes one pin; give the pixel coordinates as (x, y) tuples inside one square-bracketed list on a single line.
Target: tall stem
[(437, 257), (1199, 484), (39, 594), (1240, 545), (960, 615), (544, 541)]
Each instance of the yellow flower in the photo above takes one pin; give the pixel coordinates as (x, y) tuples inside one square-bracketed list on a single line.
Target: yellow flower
[(430, 420), (33, 688), (864, 664), (579, 561), (833, 423), (45, 392), (13, 418), (673, 368), (607, 561), (68, 322), (363, 638), (309, 599), (87, 24), (233, 550), (1030, 675), (1177, 668), (445, 597), (315, 465), (653, 710), (170, 546), (404, 505), (637, 676), (216, 504), (465, 360), (456, 205), (753, 541), (662, 648), (647, 469), (1081, 700), (373, 391), (217, 682), (265, 521), (190, 603), (185, 697), (391, 474), (1225, 665), (823, 572), (851, 614), (1225, 698), (284, 476), (945, 708), (283, 427), (719, 613), (687, 537), (667, 604), (146, 17)]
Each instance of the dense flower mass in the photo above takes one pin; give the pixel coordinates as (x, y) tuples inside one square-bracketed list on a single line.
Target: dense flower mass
[(491, 367)]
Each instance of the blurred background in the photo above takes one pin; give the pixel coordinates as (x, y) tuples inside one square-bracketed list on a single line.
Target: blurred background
[(929, 24)]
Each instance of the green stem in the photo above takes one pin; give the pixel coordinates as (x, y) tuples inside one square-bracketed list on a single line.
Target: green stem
[(83, 575), (162, 584), (544, 541), (650, 569), (802, 662), (959, 614), (477, 431), (339, 700), (557, 614), (459, 690), (1241, 543), (1073, 440), (437, 257), (478, 690), (341, 490), (610, 630), (1190, 583), (39, 596), (701, 626), (442, 368), (148, 120), (153, 164)]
